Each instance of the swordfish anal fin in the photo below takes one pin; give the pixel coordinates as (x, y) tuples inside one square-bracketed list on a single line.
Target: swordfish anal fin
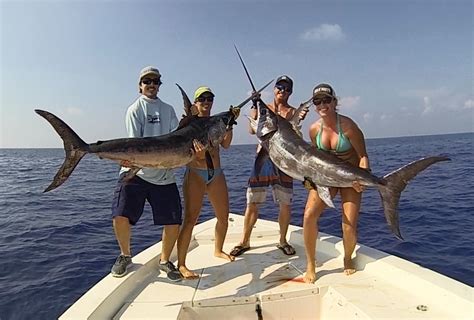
[(325, 195)]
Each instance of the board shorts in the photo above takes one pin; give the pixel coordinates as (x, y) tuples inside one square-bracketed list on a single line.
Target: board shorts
[(129, 201), (269, 175)]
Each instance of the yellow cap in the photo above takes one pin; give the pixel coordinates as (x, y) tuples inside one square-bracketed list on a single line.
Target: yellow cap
[(200, 91)]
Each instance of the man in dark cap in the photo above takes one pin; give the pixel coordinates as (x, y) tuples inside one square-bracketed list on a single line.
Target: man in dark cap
[(270, 175)]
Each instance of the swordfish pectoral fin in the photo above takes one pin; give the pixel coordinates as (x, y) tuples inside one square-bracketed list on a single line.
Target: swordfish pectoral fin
[(262, 156), (210, 166), (130, 173)]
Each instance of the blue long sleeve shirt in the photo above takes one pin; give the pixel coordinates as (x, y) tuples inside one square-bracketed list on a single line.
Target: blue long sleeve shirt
[(149, 118)]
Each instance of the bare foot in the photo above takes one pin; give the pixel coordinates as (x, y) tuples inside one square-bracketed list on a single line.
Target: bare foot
[(310, 276), (187, 274), (349, 267), (224, 255)]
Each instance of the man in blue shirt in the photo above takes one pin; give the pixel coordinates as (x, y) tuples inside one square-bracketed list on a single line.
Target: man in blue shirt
[(148, 116)]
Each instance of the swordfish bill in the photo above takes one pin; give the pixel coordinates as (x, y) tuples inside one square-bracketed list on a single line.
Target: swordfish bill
[(168, 151), (301, 161)]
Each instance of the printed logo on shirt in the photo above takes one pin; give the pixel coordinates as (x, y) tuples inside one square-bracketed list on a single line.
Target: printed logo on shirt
[(153, 118)]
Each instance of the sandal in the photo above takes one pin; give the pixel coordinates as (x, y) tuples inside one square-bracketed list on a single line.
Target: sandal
[(287, 249), (238, 250)]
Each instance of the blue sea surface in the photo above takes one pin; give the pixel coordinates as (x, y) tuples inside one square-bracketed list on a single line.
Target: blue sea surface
[(55, 246)]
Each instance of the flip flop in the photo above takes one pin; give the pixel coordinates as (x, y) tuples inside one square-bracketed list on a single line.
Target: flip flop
[(238, 250), (287, 249)]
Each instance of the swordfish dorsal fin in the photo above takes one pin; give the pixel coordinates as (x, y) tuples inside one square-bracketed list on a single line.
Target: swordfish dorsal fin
[(295, 119), (190, 109), (253, 123)]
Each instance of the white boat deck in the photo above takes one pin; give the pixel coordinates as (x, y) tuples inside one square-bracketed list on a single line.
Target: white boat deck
[(264, 283)]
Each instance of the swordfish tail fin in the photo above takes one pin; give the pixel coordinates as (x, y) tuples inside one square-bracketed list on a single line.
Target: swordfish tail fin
[(74, 147), (395, 183)]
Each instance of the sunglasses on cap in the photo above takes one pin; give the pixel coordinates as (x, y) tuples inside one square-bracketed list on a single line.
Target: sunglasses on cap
[(204, 99), (326, 100), (150, 81), (282, 87)]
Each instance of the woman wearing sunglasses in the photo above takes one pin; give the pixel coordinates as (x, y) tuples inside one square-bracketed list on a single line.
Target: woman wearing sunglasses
[(341, 136), (198, 181)]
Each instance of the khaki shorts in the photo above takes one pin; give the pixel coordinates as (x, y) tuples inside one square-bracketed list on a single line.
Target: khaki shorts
[(281, 195)]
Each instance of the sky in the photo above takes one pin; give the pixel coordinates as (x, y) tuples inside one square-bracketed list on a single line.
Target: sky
[(399, 68)]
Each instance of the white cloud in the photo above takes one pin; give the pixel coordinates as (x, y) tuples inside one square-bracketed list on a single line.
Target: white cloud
[(262, 53), (74, 111), (330, 32), (407, 111), (384, 117), (433, 93), (469, 104), (349, 102), (427, 107), (368, 117), (441, 98)]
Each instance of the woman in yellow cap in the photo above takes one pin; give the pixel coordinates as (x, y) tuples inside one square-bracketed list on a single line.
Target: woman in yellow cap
[(198, 182)]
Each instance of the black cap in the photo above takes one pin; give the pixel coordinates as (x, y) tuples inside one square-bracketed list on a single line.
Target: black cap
[(287, 80), (324, 89)]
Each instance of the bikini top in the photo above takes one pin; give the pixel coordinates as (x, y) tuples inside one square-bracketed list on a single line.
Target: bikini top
[(343, 143)]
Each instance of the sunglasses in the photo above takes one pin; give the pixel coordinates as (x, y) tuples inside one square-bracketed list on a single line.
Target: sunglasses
[(281, 87), (327, 100), (204, 99), (150, 81)]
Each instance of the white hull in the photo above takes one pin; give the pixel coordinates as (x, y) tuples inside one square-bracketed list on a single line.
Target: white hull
[(384, 287)]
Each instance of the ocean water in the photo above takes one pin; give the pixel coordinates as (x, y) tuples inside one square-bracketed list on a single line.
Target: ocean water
[(56, 246)]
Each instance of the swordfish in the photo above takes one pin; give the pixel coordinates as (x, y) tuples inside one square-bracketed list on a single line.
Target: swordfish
[(282, 142), (168, 151)]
